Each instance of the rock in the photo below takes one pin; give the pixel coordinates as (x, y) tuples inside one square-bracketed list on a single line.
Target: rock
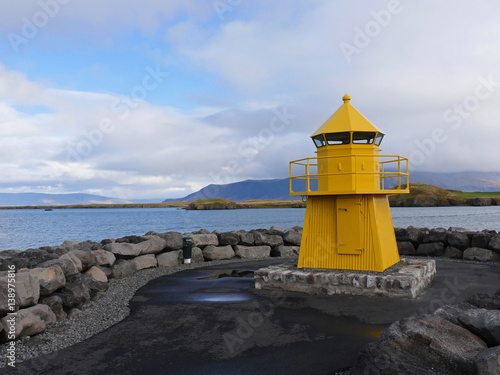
[(421, 344), (73, 313), (105, 270), (475, 253), (50, 279), (406, 248), (275, 230), (71, 245), (459, 240), (153, 245), (481, 240), (86, 257), (173, 240), (197, 255), (131, 239), (458, 229), (171, 258), (481, 201), (453, 253), (104, 258), (26, 324), (95, 273), (145, 261), (411, 233), (73, 263), (205, 239), (202, 231), (56, 305), (494, 243), (285, 251), (228, 238), (76, 291), (252, 251), (44, 312), (485, 301), (435, 235), (212, 252), (55, 250), (4, 297), (452, 312), (488, 361), (484, 323), (273, 240), (33, 257), (247, 238), (292, 237), (123, 268), (27, 289), (431, 249), (55, 262), (123, 249)]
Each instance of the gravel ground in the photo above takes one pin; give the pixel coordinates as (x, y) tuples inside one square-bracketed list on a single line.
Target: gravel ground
[(96, 316)]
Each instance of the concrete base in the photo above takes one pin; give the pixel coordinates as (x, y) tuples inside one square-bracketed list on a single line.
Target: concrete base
[(405, 279)]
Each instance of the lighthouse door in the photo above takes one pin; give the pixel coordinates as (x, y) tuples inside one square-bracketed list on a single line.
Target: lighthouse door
[(349, 225)]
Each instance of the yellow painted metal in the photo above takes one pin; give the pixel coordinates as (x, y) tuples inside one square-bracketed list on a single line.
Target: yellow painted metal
[(360, 238), (348, 223), (346, 119)]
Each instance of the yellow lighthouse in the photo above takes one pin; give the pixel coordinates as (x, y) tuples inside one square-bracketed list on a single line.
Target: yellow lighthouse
[(348, 223)]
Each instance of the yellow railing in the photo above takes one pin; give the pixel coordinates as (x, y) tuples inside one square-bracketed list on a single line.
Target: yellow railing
[(398, 163)]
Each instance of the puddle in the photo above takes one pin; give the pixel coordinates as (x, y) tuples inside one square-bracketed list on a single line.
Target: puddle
[(227, 273), (219, 297)]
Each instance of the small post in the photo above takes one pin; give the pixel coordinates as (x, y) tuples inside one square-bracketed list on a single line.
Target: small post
[(187, 248)]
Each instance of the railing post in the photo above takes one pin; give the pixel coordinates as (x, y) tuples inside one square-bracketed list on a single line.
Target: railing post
[(308, 187), (399, 172)]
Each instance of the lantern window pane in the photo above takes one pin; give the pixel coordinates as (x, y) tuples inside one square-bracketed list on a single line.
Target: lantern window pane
[(365, 138), (319, 140), (338, 138)]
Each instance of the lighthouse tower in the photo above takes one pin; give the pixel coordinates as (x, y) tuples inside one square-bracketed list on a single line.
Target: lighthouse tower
[(348, 223)]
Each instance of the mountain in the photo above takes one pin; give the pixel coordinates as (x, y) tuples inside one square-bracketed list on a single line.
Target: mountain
[(40, 199), (277, 189)]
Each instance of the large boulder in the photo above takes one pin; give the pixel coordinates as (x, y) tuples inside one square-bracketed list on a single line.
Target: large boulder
[(292, 237), (104, 258), (252, 251), (484, 323), (50, 279), (123, 268), (74, 264), (33, 257), (459, 240), (246, 238), (435, 235), (197, 255), (495, 243), (56, 305), (481, 239), (421, 344), (212, 252), (97, 274), (169, 259), (152, 245), (275, 230), (27, 289), (453, 253), (285, 251), (263, 239), (488, 361), (123, 249), (86, 257), (173, 240), (229, 238), (431, 249), (75, 293), (25, 323), (145, 261), (411, 233), (406, 248), (44, 312), (485, 301), (475, 253), (205, 239)]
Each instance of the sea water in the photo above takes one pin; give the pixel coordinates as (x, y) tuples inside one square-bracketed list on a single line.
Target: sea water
[(32, 228)]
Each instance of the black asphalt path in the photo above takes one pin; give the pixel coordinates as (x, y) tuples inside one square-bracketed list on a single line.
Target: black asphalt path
[(188, 324)]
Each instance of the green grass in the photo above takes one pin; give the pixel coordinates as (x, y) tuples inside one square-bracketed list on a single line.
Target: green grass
[(476, 194)]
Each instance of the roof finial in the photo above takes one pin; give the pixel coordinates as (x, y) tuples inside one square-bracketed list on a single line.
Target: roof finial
[(346, 98)]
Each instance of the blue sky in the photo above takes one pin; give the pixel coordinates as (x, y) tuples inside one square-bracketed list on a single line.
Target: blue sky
[(156, 99)]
